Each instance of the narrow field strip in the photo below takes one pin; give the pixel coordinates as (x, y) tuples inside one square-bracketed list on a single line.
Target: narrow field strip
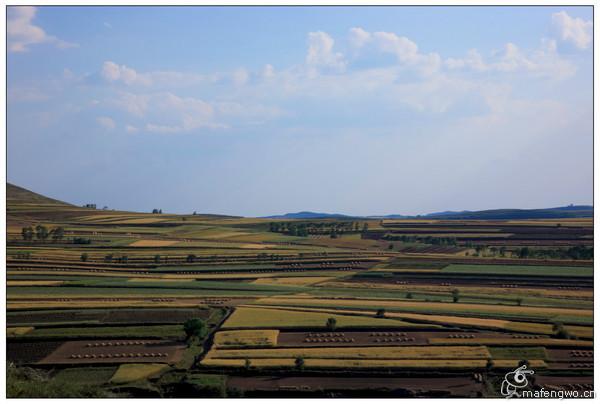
[(513, 341), (246, 338), (433, 365), (257, 317), (380, 353), (453, 320), (423, 306)]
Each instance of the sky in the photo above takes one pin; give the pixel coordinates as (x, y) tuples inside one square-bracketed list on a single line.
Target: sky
[(265, 110)]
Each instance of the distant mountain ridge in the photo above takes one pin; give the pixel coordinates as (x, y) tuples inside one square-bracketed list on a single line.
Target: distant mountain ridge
[(448, 212), (21, 195), (306, 215), (571, 211)]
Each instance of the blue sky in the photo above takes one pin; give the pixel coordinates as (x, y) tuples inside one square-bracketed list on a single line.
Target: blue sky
[(258, 111)]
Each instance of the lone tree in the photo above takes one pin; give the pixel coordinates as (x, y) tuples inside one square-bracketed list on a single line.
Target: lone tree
[(331, 323), (561, 332), (381, 313), (299, 363), (455, 296), (194, 328), (489, 364)]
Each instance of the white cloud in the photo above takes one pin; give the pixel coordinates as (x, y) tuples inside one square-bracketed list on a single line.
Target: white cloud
[(25, 94), (240, 76), (20, 32), (510, 59), (405, 50), (268, 71), (62, 45), (573, 30), (68, 74), (131, 128), (107, 123), (548, 45), (163, 129), (113, 72), (320, 52), (107, 24), (358, 37), (135, 104)]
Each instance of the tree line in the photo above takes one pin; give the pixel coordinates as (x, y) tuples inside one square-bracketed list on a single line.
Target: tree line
[(42, 233), (303, 229), (425, 240)]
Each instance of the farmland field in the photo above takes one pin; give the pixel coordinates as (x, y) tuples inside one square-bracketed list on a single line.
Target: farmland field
[(381, 311)]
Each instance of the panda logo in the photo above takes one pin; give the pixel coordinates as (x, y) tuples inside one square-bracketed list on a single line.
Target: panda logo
[(515, 380)]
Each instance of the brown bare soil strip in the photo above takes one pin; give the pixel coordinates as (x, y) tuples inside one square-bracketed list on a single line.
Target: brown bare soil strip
[(116, 351), (457, 385)]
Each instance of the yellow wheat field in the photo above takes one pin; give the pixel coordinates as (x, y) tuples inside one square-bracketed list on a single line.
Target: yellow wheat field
[(454, 320), (34, 283), (18, 331), (153, 243), (433, 305), (235, 338)]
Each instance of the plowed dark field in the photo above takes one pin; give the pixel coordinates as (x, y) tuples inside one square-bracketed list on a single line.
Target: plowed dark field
[(140, 316), (456, 385), (29, 352)]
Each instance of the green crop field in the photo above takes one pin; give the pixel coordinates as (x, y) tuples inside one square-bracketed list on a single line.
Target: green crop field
[(246, 317), (521, 270), (137, 331)]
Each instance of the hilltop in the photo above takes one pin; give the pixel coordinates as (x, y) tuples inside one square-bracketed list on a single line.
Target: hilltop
[(16, 194)]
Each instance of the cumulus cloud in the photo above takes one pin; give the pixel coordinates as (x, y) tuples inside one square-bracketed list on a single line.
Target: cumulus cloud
[(405, 50), (320, 52), (358, 37), (510, 59), (574, 31), (113, 72), (268, 71), (135, 104), (107, 123), (20, 31)]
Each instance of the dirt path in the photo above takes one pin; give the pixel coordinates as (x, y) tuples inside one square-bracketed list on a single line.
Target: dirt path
[(209, 338)]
